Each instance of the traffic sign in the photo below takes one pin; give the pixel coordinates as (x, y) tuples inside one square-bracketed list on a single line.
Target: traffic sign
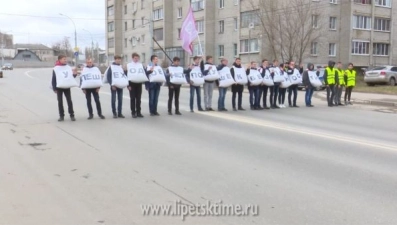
[(76, 54)]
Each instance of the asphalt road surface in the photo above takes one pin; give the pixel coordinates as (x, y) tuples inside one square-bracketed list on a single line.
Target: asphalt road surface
[(300, 166)]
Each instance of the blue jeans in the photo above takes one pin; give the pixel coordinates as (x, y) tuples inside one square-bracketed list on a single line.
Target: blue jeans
[(198, 92), (254, 96), (119, 93), (154, 93), (221, 99), (308, 96)]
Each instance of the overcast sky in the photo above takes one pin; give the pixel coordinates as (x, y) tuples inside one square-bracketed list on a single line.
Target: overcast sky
[(38, 21)]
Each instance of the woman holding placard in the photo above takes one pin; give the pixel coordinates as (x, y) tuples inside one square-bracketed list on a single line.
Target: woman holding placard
[(62, 80), (90, 83)]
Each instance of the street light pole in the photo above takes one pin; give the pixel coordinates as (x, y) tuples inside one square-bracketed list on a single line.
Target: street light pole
[(75, 38), (92, 44)]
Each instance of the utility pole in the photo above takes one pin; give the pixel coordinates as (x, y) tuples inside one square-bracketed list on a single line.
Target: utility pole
[(92, 44), (76, 50)]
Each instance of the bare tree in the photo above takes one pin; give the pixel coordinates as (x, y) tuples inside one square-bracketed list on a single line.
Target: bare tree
[(63, 47), (288, 26)]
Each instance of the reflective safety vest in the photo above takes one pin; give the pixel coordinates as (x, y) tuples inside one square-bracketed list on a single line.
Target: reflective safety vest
[(331, 75), (351, 78), (341, 76)]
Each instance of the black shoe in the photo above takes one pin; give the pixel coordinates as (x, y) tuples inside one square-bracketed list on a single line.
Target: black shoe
[(267, 108), (192, 111), (156, 114), (152, 114), (290, 106), (90, 117), (178, 113), (139, 115), (330, 105), (134, 116), (114, 116), (202, 110), (225, 110), (121, 116), (234, 109), (73, 118), (340, 104), (260, 108), (309, 106), (102, 117), (170, 113), (207, 109), (211, 109), (295, 106), (241, 109), (61, 119)]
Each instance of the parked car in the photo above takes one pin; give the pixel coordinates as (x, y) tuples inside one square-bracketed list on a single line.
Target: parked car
[(320, 77), (381, 75), (7, 66), (1, 73)]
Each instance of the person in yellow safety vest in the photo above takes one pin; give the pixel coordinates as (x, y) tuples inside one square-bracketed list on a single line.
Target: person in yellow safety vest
[(330, 79), (340, 85), (350, 79)]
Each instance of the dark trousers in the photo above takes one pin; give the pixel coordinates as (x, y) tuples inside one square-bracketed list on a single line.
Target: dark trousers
[(154, 93), (60, 93), (93, 92), (293, 89), (173, 91), (274, 95), (281, 96), (308, 96), (263, 94), (348, 93), (135, 98), (237, 89), (254, 96), (330, 94), (198, 92), (119, 93)]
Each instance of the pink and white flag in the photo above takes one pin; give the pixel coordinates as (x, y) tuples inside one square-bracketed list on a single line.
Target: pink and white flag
[(188, 32)]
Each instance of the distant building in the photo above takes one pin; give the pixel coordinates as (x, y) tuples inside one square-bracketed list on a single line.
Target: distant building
[(27, 55), (43, 52)]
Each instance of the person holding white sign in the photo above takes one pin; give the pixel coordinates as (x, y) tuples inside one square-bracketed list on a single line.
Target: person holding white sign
[(277, 79), (253, 87), (282, 90), (238, 73), (293, 89), (156, 75), (208, 69), (264, 89), (308, 85), (115, 72), (62, 80), (224, 82), (136, 75), (195, 79), (90, 83), (174, 89)]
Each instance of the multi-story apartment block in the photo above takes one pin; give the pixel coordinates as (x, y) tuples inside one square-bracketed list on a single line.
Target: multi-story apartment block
[(358, 31)]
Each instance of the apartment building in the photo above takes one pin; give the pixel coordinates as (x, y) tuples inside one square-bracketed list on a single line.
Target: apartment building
[(358, 31)]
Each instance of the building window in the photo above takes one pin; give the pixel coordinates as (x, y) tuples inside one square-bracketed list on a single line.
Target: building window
[(333, 1), (133, 24), (200, 26), (385, 3), (221, 50), (315, 21), (360, 47), (235, 50), (236, 2), (143, 57), (111, 43), (382, 24), (125, 25), (134, 8), (332, 49), (110, 26), (134, 41), (235, 24), (110, 10), (221, 4), (381, 49), (143, 21), (249, 17), (125, 9), (158, 34), (125, 42), (197, 49), (179, 34), (221, 26), (362, 22), (179, 13), (332, 23), (197, 5), (314, 48), (142, 4), (143, 39), (247, 46), (366, 2), (158, 14)]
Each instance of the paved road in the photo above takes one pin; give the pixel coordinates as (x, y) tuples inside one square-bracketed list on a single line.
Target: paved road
[(301, 166)]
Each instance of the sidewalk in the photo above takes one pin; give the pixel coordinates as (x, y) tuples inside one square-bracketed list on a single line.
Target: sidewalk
[(365, 98)]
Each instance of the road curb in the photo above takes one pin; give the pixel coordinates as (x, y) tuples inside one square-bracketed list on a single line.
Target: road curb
[(364, 101)]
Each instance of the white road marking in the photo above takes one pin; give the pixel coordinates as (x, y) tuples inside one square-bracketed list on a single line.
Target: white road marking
[(28, 75)]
